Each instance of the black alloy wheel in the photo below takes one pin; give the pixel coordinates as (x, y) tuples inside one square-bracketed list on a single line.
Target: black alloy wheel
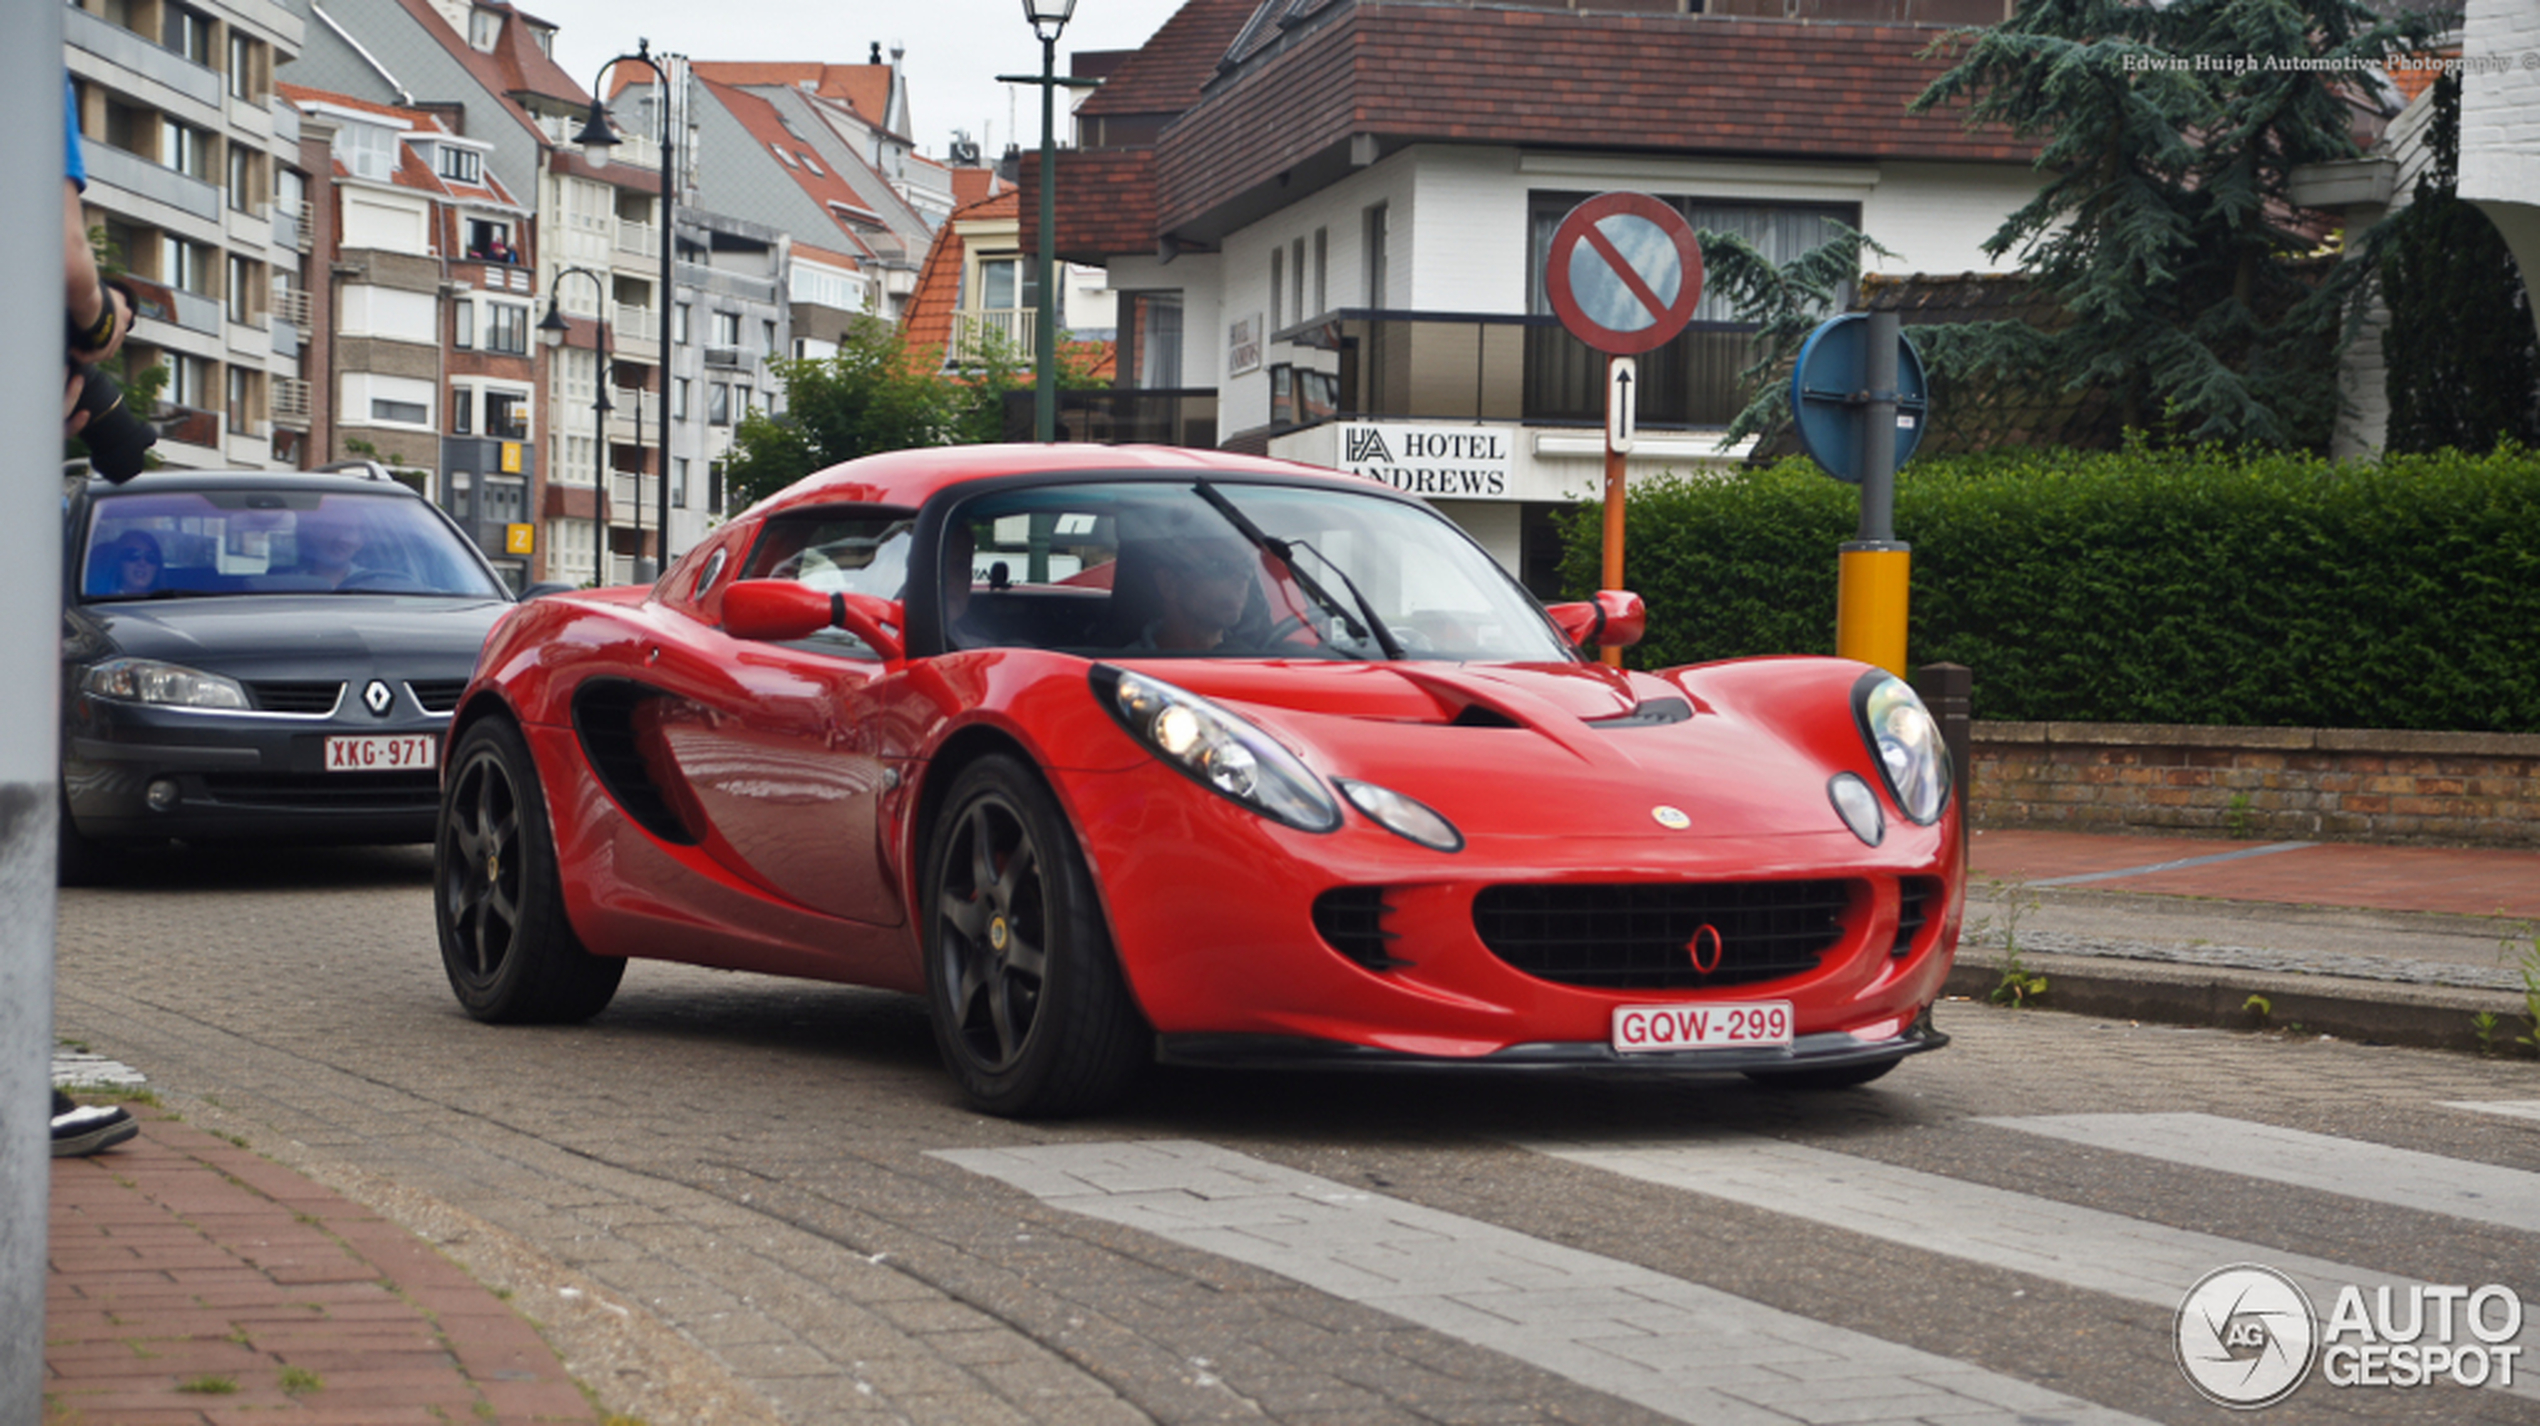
[(1026, 995), (497, 901)]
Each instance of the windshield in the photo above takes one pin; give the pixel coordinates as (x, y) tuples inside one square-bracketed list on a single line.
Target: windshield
[(216, 542), (1222, 569)]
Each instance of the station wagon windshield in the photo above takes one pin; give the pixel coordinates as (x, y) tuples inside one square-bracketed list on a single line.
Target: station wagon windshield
[(225, 542)]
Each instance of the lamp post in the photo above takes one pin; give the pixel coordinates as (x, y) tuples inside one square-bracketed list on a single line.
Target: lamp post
[(597, 138), (551, 331), (1048, 17)]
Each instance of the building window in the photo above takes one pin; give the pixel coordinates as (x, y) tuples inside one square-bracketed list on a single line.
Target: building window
[(1693, 380), (1322, 292), (727, 329), (186, 149), (409, 413), (187, 32), (1278, 285), (185, 264), (484, 29), (679, 324), (244, 279), (243, 187), (718, 404), (767, 338), (463, 324), (679, 482), (1375, 249), (506, 330), (462, 165), (242, 67), (462, 411), (1151, 340), (1296, 268), (242, 393), (679, 399), (366, 150), (507, 415), (486, 241)]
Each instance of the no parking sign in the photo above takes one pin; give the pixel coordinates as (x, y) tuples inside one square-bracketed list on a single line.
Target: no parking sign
[(1624, 273)]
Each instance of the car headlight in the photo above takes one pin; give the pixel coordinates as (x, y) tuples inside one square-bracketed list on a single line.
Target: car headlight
[(166, 684), (1905, 739), (1402, 816), (1216, 749)]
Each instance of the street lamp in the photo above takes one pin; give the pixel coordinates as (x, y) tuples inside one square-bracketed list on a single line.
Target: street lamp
[(551, 331), (597, 138), (1048, 17)]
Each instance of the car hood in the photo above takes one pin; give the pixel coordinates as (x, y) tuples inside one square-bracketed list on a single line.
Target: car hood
[(1554, 750), (296, 635)]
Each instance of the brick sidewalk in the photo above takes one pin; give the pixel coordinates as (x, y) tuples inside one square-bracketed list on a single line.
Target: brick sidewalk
[(195, 1283), (2462, 881)]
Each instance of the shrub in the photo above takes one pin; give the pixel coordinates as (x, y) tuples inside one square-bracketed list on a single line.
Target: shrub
[(2136, 586)]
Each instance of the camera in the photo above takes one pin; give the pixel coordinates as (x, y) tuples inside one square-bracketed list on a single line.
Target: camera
[(116, 438)]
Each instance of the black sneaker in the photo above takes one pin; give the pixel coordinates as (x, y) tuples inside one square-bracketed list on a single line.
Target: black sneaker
[(80, 1129)]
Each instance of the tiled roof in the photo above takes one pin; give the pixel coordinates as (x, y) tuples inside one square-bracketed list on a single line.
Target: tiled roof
[(927, 321), (1106, 204), (969, 185), (828, 187), (502, 78), (1166, 74), (1669, 83), (412, 171), (525, 65), (863, 88)]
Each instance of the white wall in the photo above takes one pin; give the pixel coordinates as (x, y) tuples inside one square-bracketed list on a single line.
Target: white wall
[(384, 221), (2500, 124)]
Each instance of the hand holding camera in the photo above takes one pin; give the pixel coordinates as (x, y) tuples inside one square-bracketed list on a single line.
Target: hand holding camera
[(94, 408)]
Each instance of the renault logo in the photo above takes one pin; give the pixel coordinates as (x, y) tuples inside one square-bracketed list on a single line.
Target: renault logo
[(377, 698)]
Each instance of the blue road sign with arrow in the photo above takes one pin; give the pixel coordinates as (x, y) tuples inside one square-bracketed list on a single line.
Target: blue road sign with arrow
[(1828, 388)]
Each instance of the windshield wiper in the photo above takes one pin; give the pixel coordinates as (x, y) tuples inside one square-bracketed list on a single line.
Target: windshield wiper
[(1284, 552)]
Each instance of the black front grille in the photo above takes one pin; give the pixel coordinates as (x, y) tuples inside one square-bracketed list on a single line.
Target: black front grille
[(437, 695), (1914, 898), (328, 791), (1642, 936), (1352, 920), (297, 697)]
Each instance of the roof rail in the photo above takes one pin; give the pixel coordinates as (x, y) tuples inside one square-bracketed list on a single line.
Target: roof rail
[(370, 468)]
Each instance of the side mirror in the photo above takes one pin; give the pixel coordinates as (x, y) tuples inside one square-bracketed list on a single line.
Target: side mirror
[(779, 610), (1615, 620)]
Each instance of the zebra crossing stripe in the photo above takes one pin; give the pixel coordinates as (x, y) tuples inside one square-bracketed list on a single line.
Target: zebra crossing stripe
[(2401, 1178), (1681, 1349), (2078, 1247)]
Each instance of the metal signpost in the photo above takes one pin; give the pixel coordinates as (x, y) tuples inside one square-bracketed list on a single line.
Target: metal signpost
[(1624, 273), (1858, 380)]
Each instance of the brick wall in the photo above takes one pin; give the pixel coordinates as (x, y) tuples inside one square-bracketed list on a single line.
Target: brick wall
[(2271, 783)]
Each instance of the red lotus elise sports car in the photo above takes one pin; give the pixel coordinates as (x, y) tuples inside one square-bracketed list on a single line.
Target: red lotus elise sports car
[(1124, 754)]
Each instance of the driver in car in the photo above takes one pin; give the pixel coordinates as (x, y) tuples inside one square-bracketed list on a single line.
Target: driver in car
[(327, 542), (1202, 584)]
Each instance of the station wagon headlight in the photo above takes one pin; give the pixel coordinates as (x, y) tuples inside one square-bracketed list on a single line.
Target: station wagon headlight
[(1216, 749), (164, 684), (1905, 739)]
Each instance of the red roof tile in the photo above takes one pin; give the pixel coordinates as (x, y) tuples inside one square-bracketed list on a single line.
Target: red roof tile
[(928, 319), (827, 187), (863, 88)]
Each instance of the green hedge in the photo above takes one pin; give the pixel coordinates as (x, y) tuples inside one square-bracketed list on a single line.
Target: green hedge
[(2135, 586)]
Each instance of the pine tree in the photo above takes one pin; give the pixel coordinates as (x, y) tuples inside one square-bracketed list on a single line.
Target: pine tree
[(2170, 134), (2464, 358)]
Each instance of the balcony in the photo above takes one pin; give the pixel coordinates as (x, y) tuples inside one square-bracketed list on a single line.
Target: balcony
[(290, 402), (1005, 330), (153, 181), (638, 240), (732, 358), (640, 152), (291, 304), (124, 50), (639, 323), (291, 227)]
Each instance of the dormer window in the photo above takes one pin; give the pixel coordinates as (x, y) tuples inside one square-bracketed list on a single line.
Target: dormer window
[(484, 29), (814, 167), (366, 150), (779, 151), (461, 165)]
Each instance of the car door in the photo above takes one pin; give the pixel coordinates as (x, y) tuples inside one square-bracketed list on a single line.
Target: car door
[(777, 755)]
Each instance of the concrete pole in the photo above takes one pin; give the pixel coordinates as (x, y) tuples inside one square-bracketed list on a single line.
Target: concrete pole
[(30, 680)]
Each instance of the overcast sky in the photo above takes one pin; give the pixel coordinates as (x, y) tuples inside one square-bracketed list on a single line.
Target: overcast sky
[(956, 48)]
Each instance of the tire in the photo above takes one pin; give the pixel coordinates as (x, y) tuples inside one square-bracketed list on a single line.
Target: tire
[(1838, 1077), (79, 860), (1023, 986), (497, 901)]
